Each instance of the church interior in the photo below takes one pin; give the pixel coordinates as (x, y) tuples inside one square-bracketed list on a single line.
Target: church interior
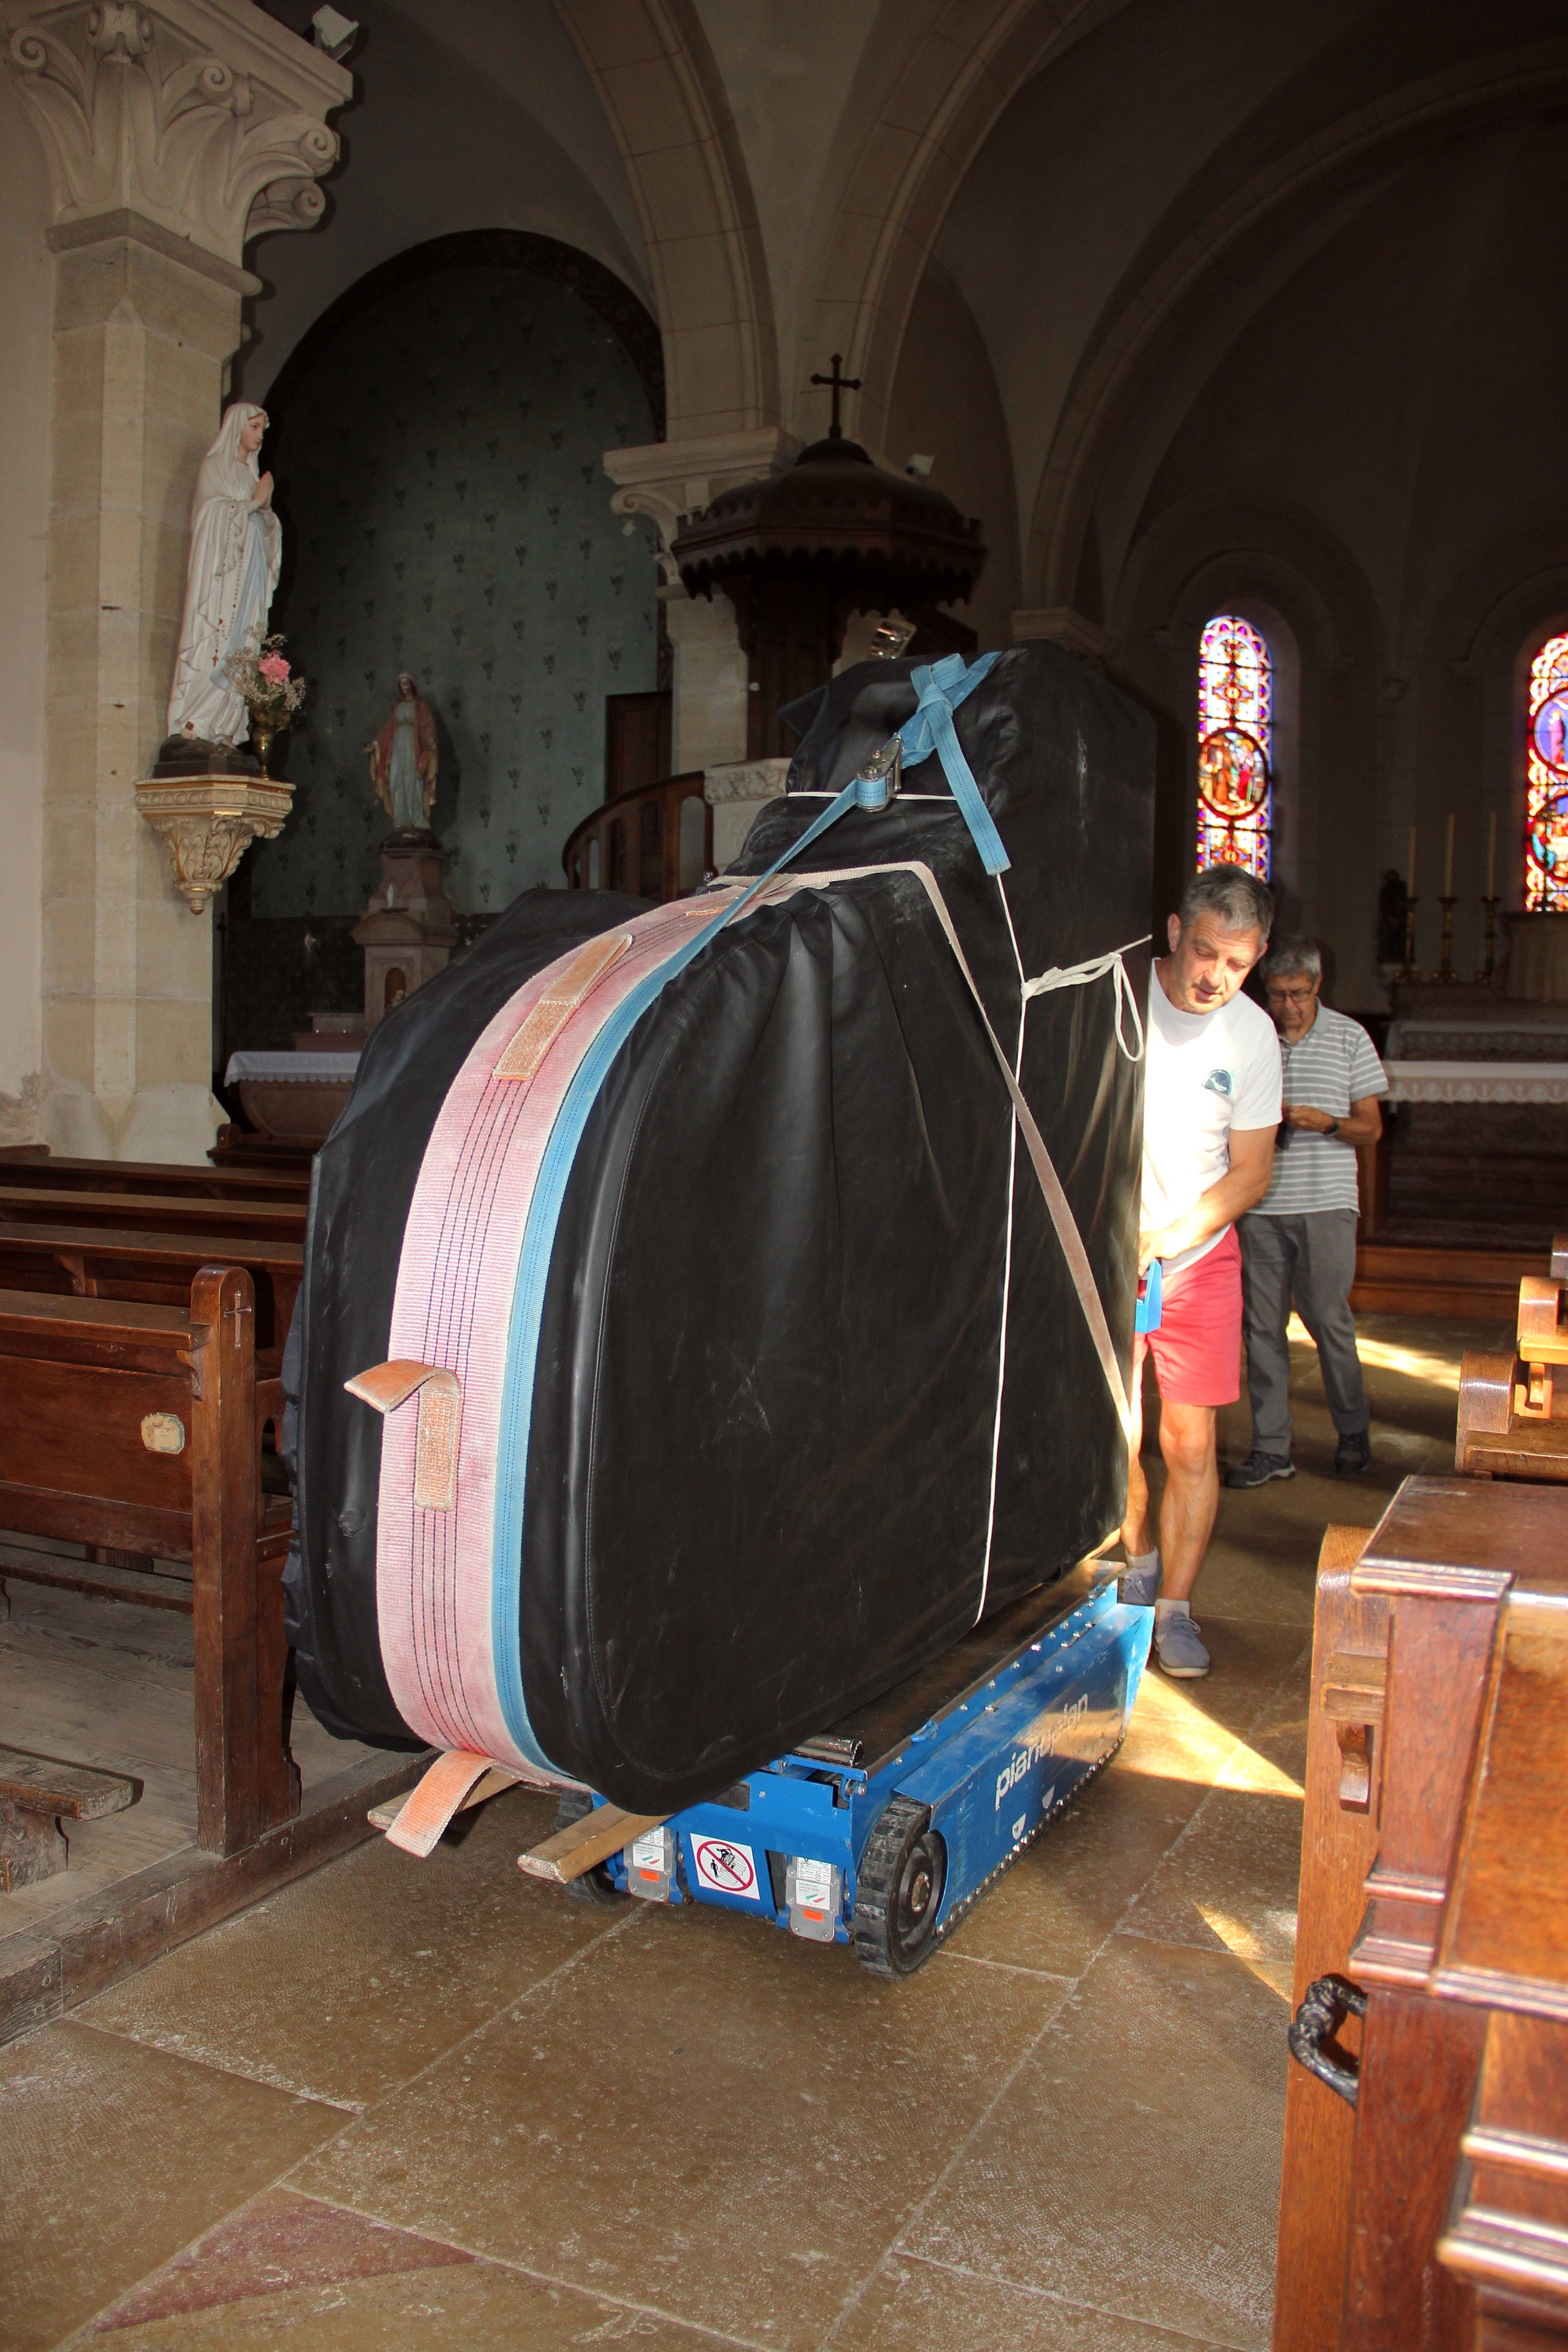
[(605, 401)]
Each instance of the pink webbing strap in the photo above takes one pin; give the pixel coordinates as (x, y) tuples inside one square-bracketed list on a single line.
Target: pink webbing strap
[(1056, 1202), (386, 1386)]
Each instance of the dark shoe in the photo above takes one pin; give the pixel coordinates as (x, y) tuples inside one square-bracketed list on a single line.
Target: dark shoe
[(1258, 1468), (1353, 1454)]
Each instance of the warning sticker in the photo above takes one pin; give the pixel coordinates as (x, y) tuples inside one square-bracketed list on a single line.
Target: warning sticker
[(727, 1869), (648, 1851), (813, 1881)]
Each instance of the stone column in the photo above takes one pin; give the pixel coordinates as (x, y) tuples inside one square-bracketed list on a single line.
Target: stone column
[(667, 481), (174, 131)]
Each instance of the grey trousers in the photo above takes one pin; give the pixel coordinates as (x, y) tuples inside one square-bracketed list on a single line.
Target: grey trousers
[(1311, 1260)]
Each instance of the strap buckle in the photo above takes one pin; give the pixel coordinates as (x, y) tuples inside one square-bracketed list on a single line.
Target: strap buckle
[(877, 784)]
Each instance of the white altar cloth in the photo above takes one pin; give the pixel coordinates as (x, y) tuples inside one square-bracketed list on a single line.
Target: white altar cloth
[(1477, 1082)]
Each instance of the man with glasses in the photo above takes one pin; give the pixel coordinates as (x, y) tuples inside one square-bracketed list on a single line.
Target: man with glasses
[(1299, 1243)]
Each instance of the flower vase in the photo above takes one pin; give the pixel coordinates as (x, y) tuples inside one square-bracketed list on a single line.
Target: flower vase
[(261, 736)]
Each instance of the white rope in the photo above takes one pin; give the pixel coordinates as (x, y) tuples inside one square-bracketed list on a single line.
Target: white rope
[(1078, 975)]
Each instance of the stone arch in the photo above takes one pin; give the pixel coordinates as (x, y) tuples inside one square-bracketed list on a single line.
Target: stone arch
[(941, 107), (506, 248), (665, 102), (1152, 310)]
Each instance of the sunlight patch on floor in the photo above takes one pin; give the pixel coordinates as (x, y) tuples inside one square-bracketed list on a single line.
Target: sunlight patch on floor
[(1178, 1741), (1416, 1363), (1242, 1945)]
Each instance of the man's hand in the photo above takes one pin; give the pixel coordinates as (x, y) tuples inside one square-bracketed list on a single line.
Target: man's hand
[(1251, 1165), (1363, 1123)]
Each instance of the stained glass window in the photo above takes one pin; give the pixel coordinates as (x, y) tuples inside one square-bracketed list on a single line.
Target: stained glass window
[(1546, 783), (1235, 742)]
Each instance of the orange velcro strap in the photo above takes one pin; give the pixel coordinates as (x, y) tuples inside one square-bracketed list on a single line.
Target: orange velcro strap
[(386, 1386), (419, 1827), (523, 1055)]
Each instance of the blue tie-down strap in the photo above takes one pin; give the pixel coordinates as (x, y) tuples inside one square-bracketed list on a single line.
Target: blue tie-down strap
[(1147, 1317), (942, 686)]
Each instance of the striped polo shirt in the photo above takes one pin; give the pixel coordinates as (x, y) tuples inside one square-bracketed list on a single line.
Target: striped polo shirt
[(1334, 1064)]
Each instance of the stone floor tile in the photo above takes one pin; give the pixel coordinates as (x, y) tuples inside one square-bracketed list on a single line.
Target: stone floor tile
[(717, 2120), (330, 2281), (1066, 1892), (404, 1959), (115, 2157), (915, 2307), (1230, 1885), (1188, 1730), (1139, 2148)]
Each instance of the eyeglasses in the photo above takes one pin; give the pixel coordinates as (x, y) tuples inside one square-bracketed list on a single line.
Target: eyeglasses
[(1278, 996)]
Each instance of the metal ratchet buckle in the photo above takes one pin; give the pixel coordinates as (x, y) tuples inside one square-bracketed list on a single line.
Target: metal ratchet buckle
[(877, 784)]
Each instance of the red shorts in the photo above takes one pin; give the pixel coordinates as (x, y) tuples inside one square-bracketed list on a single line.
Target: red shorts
[(1197, 1347)]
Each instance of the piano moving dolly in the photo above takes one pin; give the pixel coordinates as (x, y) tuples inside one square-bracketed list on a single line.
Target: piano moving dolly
[(884, 1831)]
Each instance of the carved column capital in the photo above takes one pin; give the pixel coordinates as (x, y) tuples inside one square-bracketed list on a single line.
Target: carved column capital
[(203, 117), (667, 480)]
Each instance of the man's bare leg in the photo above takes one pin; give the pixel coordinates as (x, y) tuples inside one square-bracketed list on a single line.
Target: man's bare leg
[(1191, 1501), (1136, 1532)]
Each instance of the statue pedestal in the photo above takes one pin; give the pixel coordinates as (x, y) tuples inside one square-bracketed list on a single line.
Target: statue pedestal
[(408, 929), (207, 823)]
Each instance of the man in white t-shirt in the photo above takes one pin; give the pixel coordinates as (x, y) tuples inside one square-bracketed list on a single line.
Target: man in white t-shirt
[(1211, 1112)]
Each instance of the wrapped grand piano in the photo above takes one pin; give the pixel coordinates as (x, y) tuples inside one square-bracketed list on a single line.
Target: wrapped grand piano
[(712, 1310)]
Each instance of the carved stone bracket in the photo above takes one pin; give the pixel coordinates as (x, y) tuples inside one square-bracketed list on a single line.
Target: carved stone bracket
[(207, 823), (210, 124)]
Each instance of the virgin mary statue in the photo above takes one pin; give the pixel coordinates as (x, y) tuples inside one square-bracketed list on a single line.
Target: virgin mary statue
[(237, 547)]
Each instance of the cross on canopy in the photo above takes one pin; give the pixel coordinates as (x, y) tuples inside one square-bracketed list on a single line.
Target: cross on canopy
[(838, 383)]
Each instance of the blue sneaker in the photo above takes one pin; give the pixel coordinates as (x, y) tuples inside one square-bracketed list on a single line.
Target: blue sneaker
[(1178, 1648)]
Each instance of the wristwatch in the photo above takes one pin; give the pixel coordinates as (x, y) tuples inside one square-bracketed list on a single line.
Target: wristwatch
[(1332, 1127)]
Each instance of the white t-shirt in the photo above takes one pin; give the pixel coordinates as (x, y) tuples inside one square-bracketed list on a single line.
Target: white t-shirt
[(1206, 1073)]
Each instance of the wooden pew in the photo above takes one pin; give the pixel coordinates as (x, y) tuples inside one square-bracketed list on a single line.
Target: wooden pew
[(1339, 1844), (107, 1262), (137, 1428), (1502, 1949), (37, 1793), (238, 1148), (1513, 1409), (238, 1221), (1405, 1673), (202, 1182)]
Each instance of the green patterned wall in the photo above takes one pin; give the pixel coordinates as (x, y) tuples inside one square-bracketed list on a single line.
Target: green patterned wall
[(446, 512)]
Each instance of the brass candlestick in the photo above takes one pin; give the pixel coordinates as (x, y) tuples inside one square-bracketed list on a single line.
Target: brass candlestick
[(1447, 901), (1488, 970), (1407, 971)]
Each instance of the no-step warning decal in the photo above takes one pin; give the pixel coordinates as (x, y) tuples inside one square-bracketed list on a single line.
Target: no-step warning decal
[(727, 1868)]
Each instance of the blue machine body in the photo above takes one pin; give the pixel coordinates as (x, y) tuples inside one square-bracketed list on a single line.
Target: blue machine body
[(993, 1755)]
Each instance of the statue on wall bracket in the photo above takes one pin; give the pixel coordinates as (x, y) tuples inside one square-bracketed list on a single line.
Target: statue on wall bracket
[(404, 761), (207, 798), (237, 549)]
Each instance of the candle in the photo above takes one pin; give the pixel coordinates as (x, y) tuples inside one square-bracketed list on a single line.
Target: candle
[(1448, 862), (1491, 856), (1410, 865)]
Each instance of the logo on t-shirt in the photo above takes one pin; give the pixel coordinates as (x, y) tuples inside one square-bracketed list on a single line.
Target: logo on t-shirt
[(1218, 1082)]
